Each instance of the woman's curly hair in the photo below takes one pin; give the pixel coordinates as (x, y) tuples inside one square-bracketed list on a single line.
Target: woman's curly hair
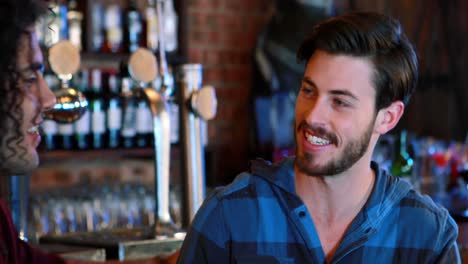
[(15, 17)]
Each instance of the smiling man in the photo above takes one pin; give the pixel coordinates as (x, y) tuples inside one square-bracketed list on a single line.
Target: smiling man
[(330, 203)]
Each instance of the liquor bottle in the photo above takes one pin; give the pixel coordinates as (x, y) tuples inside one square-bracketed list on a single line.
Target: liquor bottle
[(83, 125), (113, 28), (41, 28), (56, 23), (402, 165), (97, 26), (98, 114), (144, 123), (114, 112), (66, 132), (152, 31), (133, 27), (74, 18), (170, 26), (50, 127), (128, 131)]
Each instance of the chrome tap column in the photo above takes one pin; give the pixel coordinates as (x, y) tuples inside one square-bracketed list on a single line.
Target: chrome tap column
[(143, 69), (197, 104)]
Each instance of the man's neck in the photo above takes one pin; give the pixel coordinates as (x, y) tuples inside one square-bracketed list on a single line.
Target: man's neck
[(338, 197), (334, 201)]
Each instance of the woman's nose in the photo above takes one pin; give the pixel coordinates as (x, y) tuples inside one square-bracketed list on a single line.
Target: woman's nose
[(47, 97)]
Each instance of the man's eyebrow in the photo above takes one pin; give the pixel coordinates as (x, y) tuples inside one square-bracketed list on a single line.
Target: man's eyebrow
[(334, 92), (345, 93), (309, 81)]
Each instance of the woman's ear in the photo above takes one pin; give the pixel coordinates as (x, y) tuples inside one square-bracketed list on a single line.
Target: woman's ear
[(388, 117)]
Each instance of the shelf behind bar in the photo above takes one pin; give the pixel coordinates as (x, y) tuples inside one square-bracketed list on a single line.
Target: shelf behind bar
[(112, 60), (48, 156)]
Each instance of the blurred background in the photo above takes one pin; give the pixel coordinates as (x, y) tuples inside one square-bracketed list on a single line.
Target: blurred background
[(98, 172), (237, 40)]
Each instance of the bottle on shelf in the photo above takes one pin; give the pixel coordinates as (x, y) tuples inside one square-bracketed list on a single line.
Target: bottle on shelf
[(97, 26), (55, 26), (133, 27), (83, 125), (152, 32), (170, 26), (113, 37), (74, 19), (114, 112), (144, 123), (66, 134), (402, 165), (98, 111), (128, 131), (50, 127)]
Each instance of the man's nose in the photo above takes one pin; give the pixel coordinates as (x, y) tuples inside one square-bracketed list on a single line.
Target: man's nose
[(318, 112)]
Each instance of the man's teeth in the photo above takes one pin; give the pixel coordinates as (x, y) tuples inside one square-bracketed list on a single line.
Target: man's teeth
[(316, 140), (34, 129)]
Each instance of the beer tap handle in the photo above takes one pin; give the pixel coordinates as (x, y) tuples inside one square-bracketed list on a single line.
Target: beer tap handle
[(71, 104), (204, 102)]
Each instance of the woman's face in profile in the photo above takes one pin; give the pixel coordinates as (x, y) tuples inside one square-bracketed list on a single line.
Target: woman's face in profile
[(19, 145)]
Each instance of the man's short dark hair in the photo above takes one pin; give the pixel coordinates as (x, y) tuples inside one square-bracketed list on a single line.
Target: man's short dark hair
[(376, 37)]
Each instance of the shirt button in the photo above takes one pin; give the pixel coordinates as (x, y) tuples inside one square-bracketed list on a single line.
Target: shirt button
[(302, 214)]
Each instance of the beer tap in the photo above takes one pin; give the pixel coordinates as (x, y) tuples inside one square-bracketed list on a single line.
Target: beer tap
[(142, 67), (71, 104), (198, 104)]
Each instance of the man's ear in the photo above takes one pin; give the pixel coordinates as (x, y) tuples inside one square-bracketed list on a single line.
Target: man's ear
[(388, 117)]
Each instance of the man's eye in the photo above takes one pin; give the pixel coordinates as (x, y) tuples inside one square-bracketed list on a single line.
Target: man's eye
[(306, 90), (340, 103)]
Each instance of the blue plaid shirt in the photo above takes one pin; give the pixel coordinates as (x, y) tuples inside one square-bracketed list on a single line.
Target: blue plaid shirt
[(259, 218)]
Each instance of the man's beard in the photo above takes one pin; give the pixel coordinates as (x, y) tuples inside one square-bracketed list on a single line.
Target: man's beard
[(352, 152)]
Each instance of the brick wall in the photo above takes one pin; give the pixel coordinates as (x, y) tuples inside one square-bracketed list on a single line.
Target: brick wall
[(221, 35)]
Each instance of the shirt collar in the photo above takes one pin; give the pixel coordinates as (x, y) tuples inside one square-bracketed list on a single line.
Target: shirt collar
[(387, 189), (280, 174)]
